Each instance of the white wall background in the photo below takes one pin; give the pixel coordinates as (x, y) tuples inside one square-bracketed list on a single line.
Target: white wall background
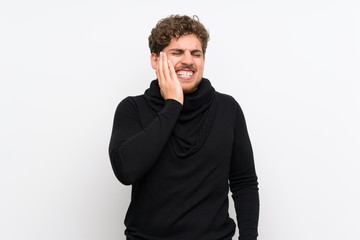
[(65, 65)]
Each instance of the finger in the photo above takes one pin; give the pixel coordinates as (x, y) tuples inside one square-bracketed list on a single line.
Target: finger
[(172, 71), (161, 76), (157, 67), (165, 67)]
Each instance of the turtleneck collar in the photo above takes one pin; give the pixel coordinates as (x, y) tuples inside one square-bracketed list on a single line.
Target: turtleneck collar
[(200, 98), (195, 119)]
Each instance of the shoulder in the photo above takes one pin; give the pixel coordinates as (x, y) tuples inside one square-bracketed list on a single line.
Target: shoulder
[(133, 100), (227, 101), (228, 108), (131, 104)]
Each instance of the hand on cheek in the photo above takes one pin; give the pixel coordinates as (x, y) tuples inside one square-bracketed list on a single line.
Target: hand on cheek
[(170, 86)]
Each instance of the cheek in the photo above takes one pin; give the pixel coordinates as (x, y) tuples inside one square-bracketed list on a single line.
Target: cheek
[(173, 60), (199, 65)]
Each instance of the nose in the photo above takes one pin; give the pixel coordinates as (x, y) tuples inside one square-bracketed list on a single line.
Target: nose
[(187, 58)]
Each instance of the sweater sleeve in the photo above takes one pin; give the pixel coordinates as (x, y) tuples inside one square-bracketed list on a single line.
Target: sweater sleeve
[(133, 150), (243, 182)]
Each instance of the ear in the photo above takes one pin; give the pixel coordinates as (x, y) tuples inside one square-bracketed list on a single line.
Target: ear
[(153, 59)]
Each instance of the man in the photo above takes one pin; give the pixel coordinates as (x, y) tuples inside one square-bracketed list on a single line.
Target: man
[(181, 145)]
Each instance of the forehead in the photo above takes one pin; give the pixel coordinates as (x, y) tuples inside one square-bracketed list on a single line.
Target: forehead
[(187, 42)]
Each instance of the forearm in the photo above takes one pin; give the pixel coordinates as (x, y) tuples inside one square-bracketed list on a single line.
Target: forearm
[(244, 184), (246, 203), (132, 156)]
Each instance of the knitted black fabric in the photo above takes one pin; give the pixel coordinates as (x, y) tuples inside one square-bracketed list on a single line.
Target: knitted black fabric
[(196, 118), (181, 161)]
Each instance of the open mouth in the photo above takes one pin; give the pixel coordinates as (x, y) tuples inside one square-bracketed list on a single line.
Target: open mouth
[(185, 73)]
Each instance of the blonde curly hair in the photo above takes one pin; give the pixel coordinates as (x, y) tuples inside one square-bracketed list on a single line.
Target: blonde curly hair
[(176, 26)]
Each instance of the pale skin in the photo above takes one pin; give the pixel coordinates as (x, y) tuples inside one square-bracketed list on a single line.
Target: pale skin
[(179, 67), (170, 86)]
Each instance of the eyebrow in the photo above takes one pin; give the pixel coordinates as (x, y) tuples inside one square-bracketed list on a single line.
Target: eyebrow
[(182, 50)]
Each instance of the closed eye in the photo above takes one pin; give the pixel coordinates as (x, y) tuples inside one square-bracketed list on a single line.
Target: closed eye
[(196, 53)]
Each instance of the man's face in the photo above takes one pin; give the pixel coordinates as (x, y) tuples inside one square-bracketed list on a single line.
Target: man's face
[(188, 59)]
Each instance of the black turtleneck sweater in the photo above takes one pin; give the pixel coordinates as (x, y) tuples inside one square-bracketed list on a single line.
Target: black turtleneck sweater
[(181, 161)]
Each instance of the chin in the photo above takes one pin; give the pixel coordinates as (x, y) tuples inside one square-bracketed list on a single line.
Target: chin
[(190, 86), (189, 89)]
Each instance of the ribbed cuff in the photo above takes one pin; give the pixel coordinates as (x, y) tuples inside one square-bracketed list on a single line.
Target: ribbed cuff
[(172, 108)]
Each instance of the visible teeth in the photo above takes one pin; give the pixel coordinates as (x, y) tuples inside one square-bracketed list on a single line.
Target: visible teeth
[(185, 73)]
